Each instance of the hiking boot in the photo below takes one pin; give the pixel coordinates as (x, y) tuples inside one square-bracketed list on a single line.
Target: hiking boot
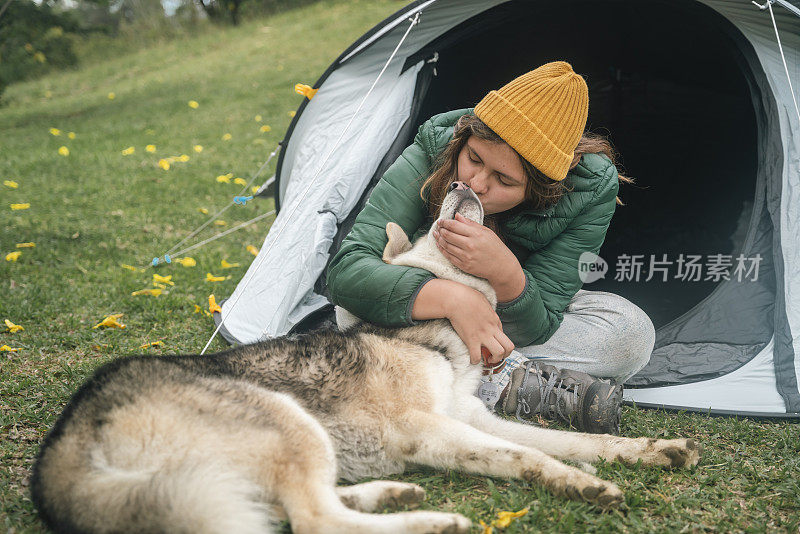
[(580, 400)]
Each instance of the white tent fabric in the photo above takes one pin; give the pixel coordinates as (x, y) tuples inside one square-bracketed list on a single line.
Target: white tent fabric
[(277, 292), (756, 27), (751, 389), (311, 221)]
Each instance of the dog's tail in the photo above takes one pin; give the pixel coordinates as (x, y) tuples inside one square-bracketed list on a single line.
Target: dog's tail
[(188, 496)]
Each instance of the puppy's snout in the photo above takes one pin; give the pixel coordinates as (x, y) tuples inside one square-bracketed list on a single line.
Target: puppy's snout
[(458, 185)]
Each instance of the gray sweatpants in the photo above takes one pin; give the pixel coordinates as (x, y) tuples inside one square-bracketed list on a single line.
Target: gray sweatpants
[(602, 334)]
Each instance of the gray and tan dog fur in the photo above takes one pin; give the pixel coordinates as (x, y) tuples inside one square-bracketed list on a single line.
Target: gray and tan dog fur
[(232, 441)]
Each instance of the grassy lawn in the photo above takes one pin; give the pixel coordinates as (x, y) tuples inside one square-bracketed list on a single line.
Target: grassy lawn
[(96, 209)]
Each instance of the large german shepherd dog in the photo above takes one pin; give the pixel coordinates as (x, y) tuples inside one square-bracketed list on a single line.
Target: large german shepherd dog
[(232, 441)]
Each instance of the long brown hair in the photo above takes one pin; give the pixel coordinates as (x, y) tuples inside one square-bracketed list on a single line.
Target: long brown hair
[(541, 192)]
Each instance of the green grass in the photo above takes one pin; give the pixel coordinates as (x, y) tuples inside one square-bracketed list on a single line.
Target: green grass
[(96, 209)]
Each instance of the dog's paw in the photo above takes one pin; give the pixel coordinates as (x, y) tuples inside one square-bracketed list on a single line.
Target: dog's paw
[(380, 494), (430, 523), (673, 453), (451, 524), (604, 494), (400, 494)]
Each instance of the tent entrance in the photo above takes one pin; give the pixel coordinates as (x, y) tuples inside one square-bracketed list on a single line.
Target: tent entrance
[(667, 83)]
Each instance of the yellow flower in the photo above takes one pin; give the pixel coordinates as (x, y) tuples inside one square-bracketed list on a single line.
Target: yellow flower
[(153, 344), (211, 278), (13, 328), (23, 206), (220, 222), (71, 135), (183, 157), (198, 148), (150, 148), (193, 104), (158, 279), (164, 164), (38, 56), (131, 268), (212, 304), (186, 262), (226, 265), (128, 151), (252, 250), (111, 321), (55, 131), (224, 178), (64, 151), (13, 256), (6, 348), (48, 94), (292, 113), (111, 96), (26, 245), (254, 189), (10, 183), (487, 529), (258, 118), (240, 181), (197, 309), (227, 137), (151, 292), (305, 90), (204, 211), (504, 518), (266, 128)]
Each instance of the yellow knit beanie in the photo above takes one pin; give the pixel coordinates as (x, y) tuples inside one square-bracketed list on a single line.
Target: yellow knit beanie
[(541, 115)]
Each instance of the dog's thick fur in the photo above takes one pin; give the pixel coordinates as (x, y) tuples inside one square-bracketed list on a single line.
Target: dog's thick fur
[(232, 441)]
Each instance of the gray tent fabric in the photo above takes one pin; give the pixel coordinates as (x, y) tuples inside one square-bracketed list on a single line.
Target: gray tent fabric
[(693, 94)]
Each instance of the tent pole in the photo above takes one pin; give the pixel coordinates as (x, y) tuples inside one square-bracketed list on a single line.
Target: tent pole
[(783, 3)]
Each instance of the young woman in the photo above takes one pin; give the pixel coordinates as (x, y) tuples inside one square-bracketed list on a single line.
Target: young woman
[(549, 192)]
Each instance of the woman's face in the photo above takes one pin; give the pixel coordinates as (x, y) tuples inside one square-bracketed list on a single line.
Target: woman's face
[(494, 172)]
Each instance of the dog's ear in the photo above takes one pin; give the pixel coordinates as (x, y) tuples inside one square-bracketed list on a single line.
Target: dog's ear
[(398, 242)]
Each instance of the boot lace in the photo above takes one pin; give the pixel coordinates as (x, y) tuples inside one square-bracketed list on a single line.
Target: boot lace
[(553, 384)]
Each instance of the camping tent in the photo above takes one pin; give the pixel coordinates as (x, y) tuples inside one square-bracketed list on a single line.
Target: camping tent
[(711, 251)]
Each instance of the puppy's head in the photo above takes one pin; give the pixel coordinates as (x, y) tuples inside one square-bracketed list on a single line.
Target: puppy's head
[(425, 254), (460, 199)]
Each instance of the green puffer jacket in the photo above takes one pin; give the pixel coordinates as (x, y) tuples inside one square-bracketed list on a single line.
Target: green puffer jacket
[(547, 243)]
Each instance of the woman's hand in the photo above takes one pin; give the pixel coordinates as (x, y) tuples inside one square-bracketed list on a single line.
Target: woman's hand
[(478, 325), (471, 315), (476, 250)]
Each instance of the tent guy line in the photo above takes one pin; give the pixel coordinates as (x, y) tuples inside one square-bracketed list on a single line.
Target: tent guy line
[(165, 258), (298, 201), (768, 5), (223, 234)]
